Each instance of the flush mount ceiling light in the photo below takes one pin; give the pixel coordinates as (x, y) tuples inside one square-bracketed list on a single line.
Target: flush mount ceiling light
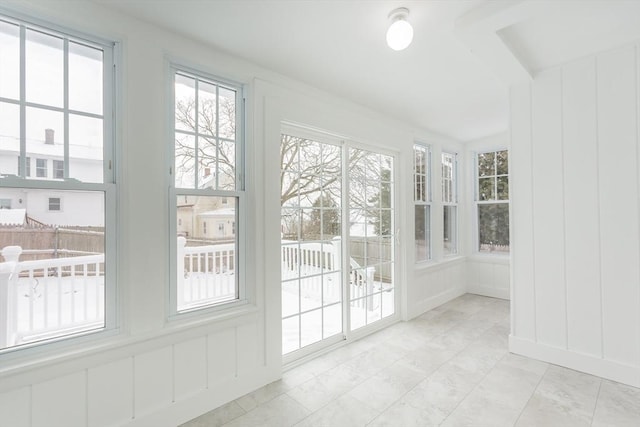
[(400, 32)]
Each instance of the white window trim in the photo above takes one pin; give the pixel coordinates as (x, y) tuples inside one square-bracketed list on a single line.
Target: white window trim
[(429, 198), (111, 82), (241, 304), (455, 203)]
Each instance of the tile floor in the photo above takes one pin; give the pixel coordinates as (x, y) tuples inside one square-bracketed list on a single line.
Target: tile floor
[(448, 367)]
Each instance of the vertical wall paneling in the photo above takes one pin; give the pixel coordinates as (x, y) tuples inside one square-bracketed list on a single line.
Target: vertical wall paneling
[(521, 203), (222, 356), (60, 402), (153, 376), (582, 225), (190, 367), (619, 204), (109, 393), (15, 408), (548, 212)]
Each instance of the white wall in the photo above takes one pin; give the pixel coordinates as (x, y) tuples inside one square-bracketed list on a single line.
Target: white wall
[(575, 241), (153, 371), (486, 274)]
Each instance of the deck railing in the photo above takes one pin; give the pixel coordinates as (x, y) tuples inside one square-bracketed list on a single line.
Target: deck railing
[(47, 298)]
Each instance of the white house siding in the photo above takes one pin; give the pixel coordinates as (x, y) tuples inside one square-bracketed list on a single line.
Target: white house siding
[(575, 235), (158, 372)]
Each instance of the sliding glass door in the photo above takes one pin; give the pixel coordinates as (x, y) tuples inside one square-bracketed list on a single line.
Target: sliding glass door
[(337, 240)]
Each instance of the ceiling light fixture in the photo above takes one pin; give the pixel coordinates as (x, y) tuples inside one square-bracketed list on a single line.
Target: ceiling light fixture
[(400, 32)]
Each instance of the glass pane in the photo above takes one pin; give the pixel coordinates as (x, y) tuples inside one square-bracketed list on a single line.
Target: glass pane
[(290, 258), (493, 228), (310, 327), (227, 166), (331, 160), (386, 165), (185, 168), (227, 106), (422, 233), (85, 148), (207, 109), (502, 160), (289, 153), (450, 230), (185, 98), (44, 69), (503, 188), (289, 189), (64, 289), (9, 137), (331, 224), (358, 316), (374, 308), (45, 134), (290, 334), (486, 164), (332, 288), (290, 297), (388, 302), (9, 60), (85, 78), (332, 321), (207, 162), (486, 188), (332, 189), (311, 288), (206, 250)]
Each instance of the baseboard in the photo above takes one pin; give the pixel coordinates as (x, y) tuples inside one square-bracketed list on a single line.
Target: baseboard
[(609, 369), (435, 301), (184, 410), (489, 292)]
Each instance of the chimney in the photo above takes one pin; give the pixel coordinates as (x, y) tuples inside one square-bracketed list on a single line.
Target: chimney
[(207, 172), (48, 136)]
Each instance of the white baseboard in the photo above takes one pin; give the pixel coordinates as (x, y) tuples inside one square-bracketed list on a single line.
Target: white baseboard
[(489, 292), (604, 368), (435, 301)]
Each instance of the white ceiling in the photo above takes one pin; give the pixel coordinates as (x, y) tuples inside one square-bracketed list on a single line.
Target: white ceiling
[(450, 80)]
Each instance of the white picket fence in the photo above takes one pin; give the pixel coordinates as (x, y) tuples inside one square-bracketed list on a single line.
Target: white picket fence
[(48, 298)]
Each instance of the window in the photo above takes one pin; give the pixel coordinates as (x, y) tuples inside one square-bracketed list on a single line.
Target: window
[(27, 166), (422, 200), (58, 169), (492, 201), (41, 168), (5, 203), (56, 101), (208, 175), (54, 204), (450, 202)]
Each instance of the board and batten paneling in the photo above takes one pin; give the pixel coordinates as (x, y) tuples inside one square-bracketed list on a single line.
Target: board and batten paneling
[(617, 153), (548, 209), (576, 241), (523, 295), (581, 207)]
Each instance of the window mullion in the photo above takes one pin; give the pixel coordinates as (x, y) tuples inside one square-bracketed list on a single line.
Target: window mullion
[(196, 140), (66, 108)]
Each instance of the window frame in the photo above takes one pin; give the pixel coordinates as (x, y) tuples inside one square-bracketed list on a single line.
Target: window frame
[(111, 51), (428, 199), (451, 201), (477, 202), (175, 66)]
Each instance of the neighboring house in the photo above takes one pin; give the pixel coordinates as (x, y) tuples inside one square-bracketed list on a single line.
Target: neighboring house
[(45, 161)]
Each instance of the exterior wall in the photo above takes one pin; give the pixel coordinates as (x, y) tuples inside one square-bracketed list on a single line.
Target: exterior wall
[(158, 371), (575, 234)]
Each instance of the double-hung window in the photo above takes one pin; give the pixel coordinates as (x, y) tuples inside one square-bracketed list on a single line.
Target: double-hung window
[(57, 266), (492, 201), (207, 183), (450, 202), (422, 200)]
